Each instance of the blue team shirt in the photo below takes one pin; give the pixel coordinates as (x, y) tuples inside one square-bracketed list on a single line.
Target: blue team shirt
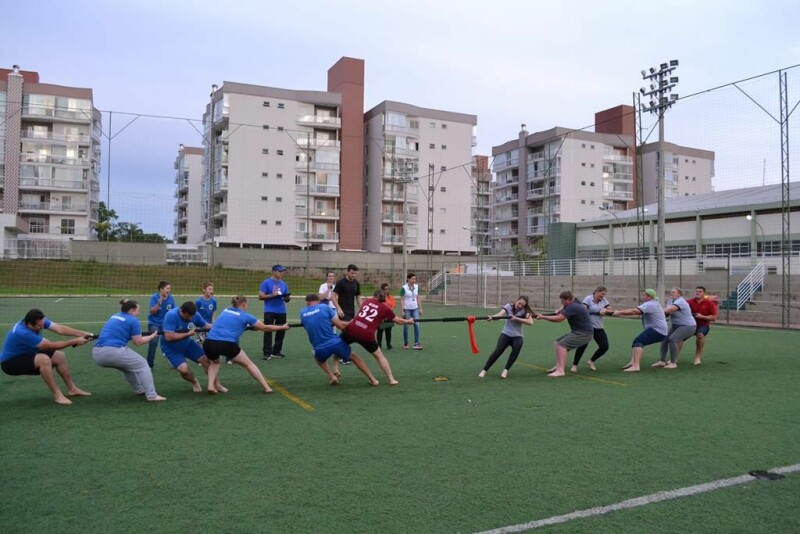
[(230, 325), (275, 304), (206, 308), (21, 340), (167, 305), (317, 321), (118, 330), (173, 322)]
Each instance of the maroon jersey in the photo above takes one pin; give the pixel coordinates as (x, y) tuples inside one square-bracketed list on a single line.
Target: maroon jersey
[(366, 322), (704, 307)]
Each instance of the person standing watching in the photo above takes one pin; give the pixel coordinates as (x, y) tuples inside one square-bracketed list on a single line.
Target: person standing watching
[(412, 308), (347, 294), (160, 303), (275, 294), (26, 352), (326, 290)]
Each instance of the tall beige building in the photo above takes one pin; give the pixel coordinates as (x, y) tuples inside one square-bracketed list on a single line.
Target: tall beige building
[(49, 163), (189, 228), (418, 175), (689, 171)]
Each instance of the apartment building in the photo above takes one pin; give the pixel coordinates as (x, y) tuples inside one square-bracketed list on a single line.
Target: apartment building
[(419, 179), (689, 171), (49, 162), (480, 212), (189, 227), (285, 164)]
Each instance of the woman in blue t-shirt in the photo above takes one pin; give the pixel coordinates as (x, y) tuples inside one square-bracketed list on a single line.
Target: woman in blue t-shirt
[(111, 349), (223, 340)]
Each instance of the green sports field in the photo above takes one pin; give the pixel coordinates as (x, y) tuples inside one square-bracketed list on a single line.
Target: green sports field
[(462, 455)]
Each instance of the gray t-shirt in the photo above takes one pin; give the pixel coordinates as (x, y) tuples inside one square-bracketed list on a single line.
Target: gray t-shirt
[(594, 310), (513, 328), (683, 315), (653, 316), (578, 317)]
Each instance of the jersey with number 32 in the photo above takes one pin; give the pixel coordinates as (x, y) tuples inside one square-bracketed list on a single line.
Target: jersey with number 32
[(366, 322)]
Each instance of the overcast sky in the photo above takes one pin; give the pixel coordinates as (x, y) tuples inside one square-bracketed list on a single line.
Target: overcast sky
[(509, 62)]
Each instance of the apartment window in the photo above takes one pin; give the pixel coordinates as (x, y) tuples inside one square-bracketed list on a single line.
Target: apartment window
[(443, 210), (583, 165), (265, 103), (583, 145), (686, 161), (432, 145), (685, 177), (583, 202), (263, 221), (37, 225), (443, 168), (280, 152), (444, 147), (265, 127), (280, 105), (694, 161), (591, 184), (442, 231), (591, 165), (443, 189), (432, 124), (591, 202), (68, 226), (444, 126), (591, 147), (279, 176), (265, 199), (694, 178), (265, 175), (280, 128), (278, 199), (265, 151), (278, 223), (413, 124), (583, 182)]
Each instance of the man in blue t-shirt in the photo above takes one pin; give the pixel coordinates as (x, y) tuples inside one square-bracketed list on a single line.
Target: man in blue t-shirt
[(275, 294), (317, 318), (581, 330), (26, 352)]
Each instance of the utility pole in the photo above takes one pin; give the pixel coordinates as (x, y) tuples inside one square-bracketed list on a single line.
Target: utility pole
[(662, 85), (212, 167)]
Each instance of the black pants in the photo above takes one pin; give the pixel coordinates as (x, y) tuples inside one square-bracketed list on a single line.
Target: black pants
[(388, 331), (601, 339), (502, 344), (277, 319)]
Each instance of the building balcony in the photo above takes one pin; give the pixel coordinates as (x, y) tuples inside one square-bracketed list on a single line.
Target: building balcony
[(46, 112), (508, 216), (317, 237), (305, 213), (393, 151), (49, 183), (403, 130), (537, 230), (50, 136), (305, 142), (47, 206), (411, 195), (498, 166), (397, 240), (47, 230), (614, 158), (619, 177), (320, 121), (55, 160), (313, 166), (504, 199), (317, 190), (543, 192), (397, 218), (619, 195)]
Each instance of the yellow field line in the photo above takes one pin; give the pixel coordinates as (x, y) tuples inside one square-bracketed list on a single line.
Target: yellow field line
[(291, 396), (601, 380)]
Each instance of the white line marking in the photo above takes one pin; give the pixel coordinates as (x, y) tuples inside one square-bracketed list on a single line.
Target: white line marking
[(639, 501), (59, 300)]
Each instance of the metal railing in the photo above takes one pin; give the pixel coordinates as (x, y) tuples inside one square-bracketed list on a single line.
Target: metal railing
[(751, 284)]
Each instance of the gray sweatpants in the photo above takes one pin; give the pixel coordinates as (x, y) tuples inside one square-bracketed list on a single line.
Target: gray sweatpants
[(676, 334), (133, 366)]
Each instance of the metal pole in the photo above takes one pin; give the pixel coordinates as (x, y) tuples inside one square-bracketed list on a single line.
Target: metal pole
[(662, 176), (308, 200), (405, 229)]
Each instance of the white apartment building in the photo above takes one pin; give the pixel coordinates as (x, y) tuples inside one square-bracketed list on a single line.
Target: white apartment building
[(556, 175), (189, 224), (275, 161), (49, 163), (689, 171), (418, 176), (480, 212)]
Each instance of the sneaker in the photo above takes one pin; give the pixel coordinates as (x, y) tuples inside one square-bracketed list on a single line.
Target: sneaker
[(592, 365), (266, 357), (348, 362), (278, 355), (671, 366), (659, 363), (405, 347), (388, 347), (229, 362), (417, 346)]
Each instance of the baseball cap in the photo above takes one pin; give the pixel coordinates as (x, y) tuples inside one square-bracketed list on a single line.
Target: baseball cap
[(651, 293), (280, 268)]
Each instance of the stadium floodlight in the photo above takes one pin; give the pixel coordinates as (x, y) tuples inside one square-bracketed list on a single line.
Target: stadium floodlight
[(673, 97), (664, 66), (644, 73), (674, 79), (673, 62), (652, 70), (642, 90)]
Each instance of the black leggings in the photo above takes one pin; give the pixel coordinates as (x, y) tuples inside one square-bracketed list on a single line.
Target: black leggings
[(502, 344), (388, 336), (601, 339)]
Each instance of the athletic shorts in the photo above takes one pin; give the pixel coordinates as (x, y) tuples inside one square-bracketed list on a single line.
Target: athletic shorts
[(648, 337), (702, 330), (23, 365), (193, 351), (370, 345), (340, 349), (574, 339), (214, 349)]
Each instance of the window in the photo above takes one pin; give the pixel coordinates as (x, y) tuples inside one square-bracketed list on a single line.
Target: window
[(265, 103), (265, 175), (280, 128), (265, 199), (37, 225), (442, 231), (265, 151), (444, 147), (591, 202), (265, 127), (583, 202), (278, 199), (583, 145), (680, 251), (443, 189), (68, 226), (278, 223), (443, 210), (413, 124), (432, 124), (432, 145), (280, 152), (694, 162), (443, 168), (685, 177), (591, 146), (583, 165), (591, 184), (694, 178), (583, 182), (279, 176), (263, 221), (444, 126), (591, 165), (280, 105), (686, 161)]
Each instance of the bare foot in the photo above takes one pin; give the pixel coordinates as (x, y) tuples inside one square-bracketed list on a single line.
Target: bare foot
[(196, 387), (374, 383), (267, 390), (552, 369), (631, 369), (482, 374), (78, 393), (592, 366), (221, 388), (63, 400), (697, 361), (573, 369), (556, 374), (212, 391), (504, 374), (157, 398), (334, 381), (627, 366), (659, 363), (337, 373), (393, 382)]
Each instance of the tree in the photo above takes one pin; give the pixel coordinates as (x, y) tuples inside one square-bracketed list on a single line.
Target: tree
[(106, 228), (109, 229)]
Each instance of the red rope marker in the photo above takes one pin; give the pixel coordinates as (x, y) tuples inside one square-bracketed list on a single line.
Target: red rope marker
[(470, 322)]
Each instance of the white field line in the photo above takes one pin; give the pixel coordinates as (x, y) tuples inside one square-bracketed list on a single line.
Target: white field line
[(638, 501), (59, 300)]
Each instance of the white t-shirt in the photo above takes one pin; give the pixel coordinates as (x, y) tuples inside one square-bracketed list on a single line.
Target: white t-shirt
[(410, 297), (327, 291)]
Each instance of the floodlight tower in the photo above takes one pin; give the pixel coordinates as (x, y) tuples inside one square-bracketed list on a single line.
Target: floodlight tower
[(662, 84)]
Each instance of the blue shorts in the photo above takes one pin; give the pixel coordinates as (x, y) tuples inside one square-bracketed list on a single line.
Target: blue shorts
[(648, 337), (340, 349), (702, 330), (193, 351)]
